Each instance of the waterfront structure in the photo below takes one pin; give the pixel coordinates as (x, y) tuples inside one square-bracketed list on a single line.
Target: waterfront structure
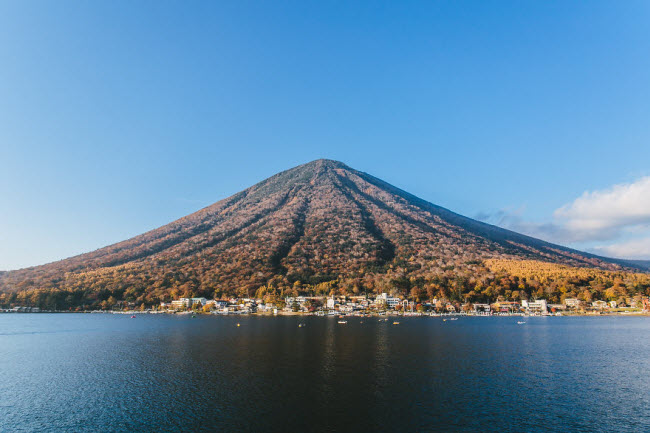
[(482, 309), (600, 305), (572, 302), (506, 307), (188, 302), (389, 301), (534, 307)]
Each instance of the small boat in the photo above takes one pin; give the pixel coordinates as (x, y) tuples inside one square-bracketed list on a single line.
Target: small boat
[(238, 324), (520, 323), (300, 325), (343, 322), (133, 316), (454, 318), (395, 323)]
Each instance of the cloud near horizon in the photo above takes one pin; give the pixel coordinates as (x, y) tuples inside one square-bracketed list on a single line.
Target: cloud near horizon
[(620, 214)]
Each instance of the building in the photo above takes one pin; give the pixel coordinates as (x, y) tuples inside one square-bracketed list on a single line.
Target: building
[(389, 301), (181, 303), (601, 305), (535, 307), (301, 302), (482, 308), (505, 307), (188, 302), (218, 303), (572, 302)]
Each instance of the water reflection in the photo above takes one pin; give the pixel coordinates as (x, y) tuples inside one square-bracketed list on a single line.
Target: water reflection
[(95, 373)]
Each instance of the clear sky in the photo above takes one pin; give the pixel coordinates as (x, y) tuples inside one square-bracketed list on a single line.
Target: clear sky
[(118, 117)]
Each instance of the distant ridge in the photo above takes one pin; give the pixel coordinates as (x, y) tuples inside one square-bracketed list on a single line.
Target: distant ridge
[(318, 222)]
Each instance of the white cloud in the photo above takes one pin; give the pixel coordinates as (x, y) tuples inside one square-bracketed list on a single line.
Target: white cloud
[(620, 214), (634, 249), (603, 214)]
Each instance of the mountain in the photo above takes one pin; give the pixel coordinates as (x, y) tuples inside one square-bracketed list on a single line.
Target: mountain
[(638, 264), (319, 223)]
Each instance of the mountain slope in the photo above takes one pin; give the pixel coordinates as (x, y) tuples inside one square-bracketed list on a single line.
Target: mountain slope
[(318, 222)]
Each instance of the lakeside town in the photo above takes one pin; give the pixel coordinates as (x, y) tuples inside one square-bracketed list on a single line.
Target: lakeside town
[(382, 304)]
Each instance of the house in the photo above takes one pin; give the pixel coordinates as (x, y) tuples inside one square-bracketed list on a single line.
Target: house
[(218, 303), (346, 308), (601, 305), (482, 308), (572, 302), (613, 304), (202, 301), (301, 302), (505, 307)]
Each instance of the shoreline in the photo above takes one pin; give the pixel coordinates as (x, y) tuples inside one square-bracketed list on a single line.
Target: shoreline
[(365, 315)]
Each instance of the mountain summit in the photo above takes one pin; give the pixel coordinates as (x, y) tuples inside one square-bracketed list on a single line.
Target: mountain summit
[(315, 223)]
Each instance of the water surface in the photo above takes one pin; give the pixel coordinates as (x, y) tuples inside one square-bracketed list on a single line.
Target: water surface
[(95, 372)]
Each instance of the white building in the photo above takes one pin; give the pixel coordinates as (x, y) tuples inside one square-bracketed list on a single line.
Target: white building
[(482, 308), (390, 301), (599, 304), (572, 302), (189, 302), (538, 306)]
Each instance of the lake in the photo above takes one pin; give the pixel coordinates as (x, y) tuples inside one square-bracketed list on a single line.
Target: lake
[(101, 372)]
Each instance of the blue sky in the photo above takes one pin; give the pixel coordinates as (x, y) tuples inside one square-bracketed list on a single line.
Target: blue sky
[(118, 117)]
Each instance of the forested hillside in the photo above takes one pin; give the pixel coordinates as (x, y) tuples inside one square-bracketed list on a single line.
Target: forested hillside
[(316, 228)]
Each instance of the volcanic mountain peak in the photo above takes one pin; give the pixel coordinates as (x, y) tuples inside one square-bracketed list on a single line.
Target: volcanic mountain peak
[(318, 222)]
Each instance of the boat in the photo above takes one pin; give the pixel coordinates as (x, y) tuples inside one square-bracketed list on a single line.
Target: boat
[(454, 318), (133, 316), (520, 323), (343, 322), (238, 324), (300, 325), (395, 323)]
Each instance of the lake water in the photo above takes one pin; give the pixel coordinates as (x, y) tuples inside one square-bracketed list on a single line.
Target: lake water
[(94, 372)]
